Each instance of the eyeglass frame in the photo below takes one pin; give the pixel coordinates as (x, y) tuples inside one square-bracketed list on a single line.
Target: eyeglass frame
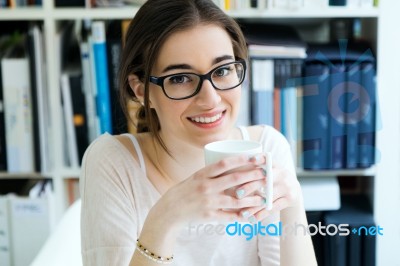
[(160, 80)]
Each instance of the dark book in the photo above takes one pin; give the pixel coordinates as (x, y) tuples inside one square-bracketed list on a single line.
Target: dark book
[(316, 145), (337, 2), (271, 34), (313, 218), (114, 48), (337, 156), (3, 149), (79, 114), (368, 122), (353, 93), (69, 3), (358, 246), (35, 108)]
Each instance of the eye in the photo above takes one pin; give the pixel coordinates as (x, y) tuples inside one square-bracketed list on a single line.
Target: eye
[(179, 79), (223, 71)]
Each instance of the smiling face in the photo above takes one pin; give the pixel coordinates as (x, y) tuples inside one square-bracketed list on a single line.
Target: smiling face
[(211, 114)]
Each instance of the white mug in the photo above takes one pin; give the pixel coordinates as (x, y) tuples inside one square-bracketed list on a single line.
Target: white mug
[(218, 150)]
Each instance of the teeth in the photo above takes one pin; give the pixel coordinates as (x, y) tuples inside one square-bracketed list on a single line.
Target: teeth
[(206, 120)]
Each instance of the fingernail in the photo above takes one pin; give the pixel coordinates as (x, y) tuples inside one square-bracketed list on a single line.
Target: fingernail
[(262, 190), (240, 193), (245, 214), (264, 171), (252, 219), (256, 158), (263, 201)]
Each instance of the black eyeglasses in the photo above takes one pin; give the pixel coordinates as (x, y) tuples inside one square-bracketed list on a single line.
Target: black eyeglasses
[(185, 85)]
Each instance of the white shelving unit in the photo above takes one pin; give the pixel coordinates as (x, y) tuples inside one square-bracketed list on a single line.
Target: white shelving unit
[(386, 173)]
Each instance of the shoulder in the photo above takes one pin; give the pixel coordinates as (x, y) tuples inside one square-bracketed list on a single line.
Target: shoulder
[(104, 146)]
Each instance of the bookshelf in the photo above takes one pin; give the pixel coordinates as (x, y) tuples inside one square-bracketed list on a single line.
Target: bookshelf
[(385, 174)]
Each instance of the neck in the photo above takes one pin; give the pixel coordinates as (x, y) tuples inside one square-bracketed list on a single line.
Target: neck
[(184, 158), (182, 161)]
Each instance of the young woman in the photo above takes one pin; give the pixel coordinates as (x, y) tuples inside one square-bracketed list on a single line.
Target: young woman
[(148, 198)]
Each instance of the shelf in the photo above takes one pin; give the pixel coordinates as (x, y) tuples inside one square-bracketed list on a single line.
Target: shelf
[(307, 13), (26, 13), (356, 172), (95, 13), (128, 12), (6, 175), (70, 173)]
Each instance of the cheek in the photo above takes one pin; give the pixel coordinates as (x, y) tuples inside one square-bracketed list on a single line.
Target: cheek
[(233, 97)]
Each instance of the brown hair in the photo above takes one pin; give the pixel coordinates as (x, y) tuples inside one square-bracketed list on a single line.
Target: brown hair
[(155, 21)]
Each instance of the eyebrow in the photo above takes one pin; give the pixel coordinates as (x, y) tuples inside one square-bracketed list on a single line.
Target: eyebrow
[(186, 66)]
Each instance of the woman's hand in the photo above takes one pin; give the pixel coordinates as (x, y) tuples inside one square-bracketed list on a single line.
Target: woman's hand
[(207, 194), (286, 193)]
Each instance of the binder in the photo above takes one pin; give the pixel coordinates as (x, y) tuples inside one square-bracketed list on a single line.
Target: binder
[(102, 80), (114, 48), (367, 125), (262, 80), (5, 256), (353, 249), (353, 113), (337, 108), (40, 101), (28, 217), (18, 114), (3, 149), (315, 117)]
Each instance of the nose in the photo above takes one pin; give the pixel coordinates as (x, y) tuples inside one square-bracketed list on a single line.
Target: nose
[(208, 97)]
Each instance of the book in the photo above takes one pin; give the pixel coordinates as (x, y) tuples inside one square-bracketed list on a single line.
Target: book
[(358, 247), (3, 149), (353, 112), (114, 49), (28, 217), (367, 125), (79, 113), (102, 80), (262, 84), (89, 92), (315, 117), (40, 101), (5, 255), (337, 108), (71, 144), (18, 110)]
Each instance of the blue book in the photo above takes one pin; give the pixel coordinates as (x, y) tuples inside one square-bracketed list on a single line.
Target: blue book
[(315, 117), (353, 112), (102, 80), (337, 110), (262, 86), (367, 124)]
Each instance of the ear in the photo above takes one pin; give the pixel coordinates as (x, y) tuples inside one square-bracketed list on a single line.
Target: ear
[(137, 87)]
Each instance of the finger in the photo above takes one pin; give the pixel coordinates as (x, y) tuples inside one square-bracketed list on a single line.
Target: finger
[(261, 214), (257, 187), (228, 202), (231, 163), (246, 213), (241, 179), (280, 204)]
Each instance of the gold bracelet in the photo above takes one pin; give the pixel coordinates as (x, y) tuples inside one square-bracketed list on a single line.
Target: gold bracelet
[(150, 255)]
